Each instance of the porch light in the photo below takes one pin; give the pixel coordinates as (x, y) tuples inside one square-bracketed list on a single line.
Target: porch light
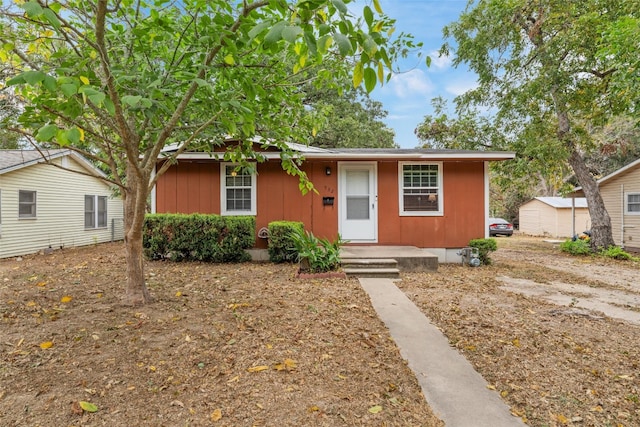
[(327, 170)]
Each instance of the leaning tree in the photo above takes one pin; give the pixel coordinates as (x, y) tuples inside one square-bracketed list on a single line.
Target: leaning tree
[(119, 80), (541, 67)]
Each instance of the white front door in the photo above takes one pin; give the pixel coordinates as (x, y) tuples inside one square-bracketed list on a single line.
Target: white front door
[(358, 202)]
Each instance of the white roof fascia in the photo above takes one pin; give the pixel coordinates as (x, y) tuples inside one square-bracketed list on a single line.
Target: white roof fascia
[(292, 145), (357, 156), (415, 155)]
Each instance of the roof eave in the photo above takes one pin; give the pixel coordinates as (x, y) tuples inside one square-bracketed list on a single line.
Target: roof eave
[(40, 160), (481, 156)]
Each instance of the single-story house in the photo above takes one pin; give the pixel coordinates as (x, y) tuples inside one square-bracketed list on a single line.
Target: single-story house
[(44, 206), (434, 199), (620, 191), (554, 216)]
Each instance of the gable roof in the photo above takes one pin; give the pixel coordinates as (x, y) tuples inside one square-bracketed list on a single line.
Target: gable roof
[(622, 171), (563, 202), (11, 160)]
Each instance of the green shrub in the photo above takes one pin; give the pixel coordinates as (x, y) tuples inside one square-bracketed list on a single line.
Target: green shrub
[(198, 237), (484, 246), (316, 255), (576, 247), (616, 252), (281, 244)]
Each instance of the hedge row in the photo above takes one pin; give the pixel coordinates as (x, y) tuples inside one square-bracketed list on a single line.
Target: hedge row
[(282, 247), (198, 237)]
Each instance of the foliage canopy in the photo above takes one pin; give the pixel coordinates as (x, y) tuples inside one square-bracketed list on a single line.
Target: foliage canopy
[(118, 81)]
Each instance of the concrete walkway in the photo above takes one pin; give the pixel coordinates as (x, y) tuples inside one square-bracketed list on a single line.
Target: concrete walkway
[(457, 394)]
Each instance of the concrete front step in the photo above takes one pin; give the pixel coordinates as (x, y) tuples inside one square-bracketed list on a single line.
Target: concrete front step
[(409, 258), (382, 273), (369, 263)]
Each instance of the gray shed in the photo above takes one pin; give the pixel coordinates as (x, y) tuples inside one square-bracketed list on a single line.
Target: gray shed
[(554, 216)]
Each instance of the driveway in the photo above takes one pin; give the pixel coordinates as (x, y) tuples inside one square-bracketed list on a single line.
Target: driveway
[(598, 286)]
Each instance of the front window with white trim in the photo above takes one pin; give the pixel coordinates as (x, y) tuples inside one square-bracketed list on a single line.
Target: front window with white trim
[(632, 204), (237, 190), (420, 188)]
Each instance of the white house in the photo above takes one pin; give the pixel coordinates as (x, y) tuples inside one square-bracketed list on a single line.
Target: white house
[(44, 206), (620, 191), (554, 216)]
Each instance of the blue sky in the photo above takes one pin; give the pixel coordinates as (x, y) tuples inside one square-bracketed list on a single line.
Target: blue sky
[(407, 96)]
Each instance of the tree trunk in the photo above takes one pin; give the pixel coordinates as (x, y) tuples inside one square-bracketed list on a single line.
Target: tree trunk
[(135, 199), (601, 232)]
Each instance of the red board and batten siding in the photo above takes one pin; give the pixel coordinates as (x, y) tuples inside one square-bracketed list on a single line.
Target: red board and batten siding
[(194, 186), (463, 219)]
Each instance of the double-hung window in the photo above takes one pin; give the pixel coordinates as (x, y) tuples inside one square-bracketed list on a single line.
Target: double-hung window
[(420, 188), (237, 190), (26, 204), (95, 211), (632, 204)]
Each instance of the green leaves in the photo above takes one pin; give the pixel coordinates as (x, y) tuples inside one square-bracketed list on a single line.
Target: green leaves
[(291, 33), (131, 100), (32, 9), (47, 132), (62, 137), (33, 77), (94, 96), (344, 45), (275, 34), (339, 4), (370, 79)]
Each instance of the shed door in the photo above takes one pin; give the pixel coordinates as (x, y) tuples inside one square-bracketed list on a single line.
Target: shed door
[(358, 202)]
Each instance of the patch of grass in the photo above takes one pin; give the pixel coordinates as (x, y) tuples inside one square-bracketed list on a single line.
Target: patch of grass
[(576, 247), (616, 252)]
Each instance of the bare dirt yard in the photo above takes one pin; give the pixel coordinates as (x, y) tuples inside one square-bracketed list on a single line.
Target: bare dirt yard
[(556, 336), (229, 345), (249, 344)]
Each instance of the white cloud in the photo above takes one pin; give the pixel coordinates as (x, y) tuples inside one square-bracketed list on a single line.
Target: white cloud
[(410, 84), (439, 62), (461, 86)]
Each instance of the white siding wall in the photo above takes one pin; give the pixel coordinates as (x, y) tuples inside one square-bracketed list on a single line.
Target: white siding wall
[(614, 202), (537, 218), (540, 219), (59, 218), (565, 219)]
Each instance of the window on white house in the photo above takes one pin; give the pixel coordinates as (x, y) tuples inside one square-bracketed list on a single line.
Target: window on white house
[(95, 211), (420, 188), (237, 190), (26, 204), (633, 203)]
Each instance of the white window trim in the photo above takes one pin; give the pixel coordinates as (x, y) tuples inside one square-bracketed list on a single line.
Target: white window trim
[(223, 193), (440, 211), (35, 203), (96, 213), (626, 203)]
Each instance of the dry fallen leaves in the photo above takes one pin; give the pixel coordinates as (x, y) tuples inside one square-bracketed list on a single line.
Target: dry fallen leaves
[(216, 415)]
